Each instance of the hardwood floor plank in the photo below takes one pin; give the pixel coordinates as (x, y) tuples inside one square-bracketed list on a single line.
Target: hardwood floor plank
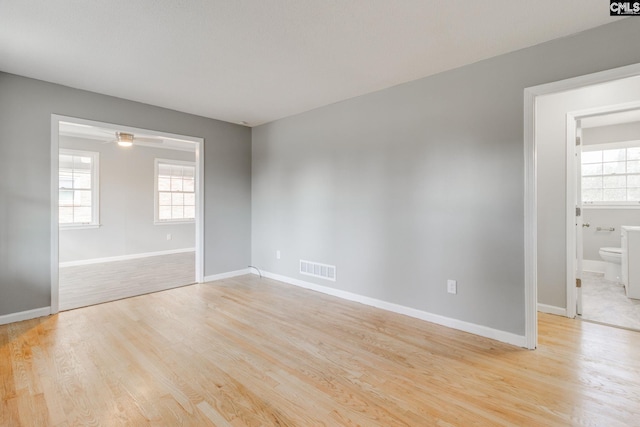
[(9, 413), (34, 408), (256, 352), (213, 415), (7, 382)]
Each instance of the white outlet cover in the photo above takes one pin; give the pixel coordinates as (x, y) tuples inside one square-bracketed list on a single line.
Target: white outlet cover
[(452, 286), (278, 254)]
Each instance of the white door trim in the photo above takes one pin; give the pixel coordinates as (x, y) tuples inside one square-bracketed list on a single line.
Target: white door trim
[(199, 155), (530, 179), (570, 198)]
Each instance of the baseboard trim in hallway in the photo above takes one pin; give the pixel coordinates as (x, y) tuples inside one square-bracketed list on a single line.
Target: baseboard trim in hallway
[(227, 275), (25, 315), (552, 309), (483, 331)]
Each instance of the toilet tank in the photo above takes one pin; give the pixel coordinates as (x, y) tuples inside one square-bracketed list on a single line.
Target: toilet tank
[(631, 260)]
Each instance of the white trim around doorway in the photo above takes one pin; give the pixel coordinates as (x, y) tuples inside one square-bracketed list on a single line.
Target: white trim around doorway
[(530, 180), (199, 222)]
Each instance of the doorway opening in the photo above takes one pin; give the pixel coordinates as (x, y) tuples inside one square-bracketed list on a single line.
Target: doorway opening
[(553, 288), (607, 195), (127, 212)]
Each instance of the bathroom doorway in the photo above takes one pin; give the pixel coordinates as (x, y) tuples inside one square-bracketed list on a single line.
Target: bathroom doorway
[(550, 180), (607, 194)]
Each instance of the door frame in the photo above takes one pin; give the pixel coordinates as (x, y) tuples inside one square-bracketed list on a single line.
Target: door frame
[(530, 182), (199, 221), (573, 118)]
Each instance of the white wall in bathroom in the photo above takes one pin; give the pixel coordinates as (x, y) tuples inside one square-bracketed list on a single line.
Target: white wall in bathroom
[(593, 240), (551, 168), (605, 218)]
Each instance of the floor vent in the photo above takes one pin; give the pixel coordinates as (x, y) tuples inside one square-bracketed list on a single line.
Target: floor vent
[(315, 269)]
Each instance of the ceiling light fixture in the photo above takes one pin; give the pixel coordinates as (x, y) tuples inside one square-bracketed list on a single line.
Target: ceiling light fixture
[(124, 139)]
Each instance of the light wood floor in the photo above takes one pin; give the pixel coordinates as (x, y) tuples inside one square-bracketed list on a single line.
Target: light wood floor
[(85, 285), (256, 352)]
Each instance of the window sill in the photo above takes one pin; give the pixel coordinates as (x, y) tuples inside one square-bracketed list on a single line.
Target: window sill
[(611, 206), (174, 222), (78, 227)]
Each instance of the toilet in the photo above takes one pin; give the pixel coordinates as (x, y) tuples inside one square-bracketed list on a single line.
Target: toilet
[(613, 263)]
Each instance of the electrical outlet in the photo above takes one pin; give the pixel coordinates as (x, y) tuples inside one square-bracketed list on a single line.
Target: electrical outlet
[(452, 286), (277, 254), (168, 236)]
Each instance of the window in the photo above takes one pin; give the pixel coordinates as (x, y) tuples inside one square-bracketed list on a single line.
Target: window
[(175, 191), (611, 175), (78, 188)]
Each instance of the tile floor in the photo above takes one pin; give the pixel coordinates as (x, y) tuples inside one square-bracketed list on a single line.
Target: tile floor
[(604, 301)]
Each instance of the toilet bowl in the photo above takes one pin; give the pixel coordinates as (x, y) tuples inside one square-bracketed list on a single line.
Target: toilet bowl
[(613, 263)]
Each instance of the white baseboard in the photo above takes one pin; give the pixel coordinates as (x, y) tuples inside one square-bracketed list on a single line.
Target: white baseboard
[(593, 266), (227, 275), (552, 309), (124, 257), (484, 331), (24, 315)]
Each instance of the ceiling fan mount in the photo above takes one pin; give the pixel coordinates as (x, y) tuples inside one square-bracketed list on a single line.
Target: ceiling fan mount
[(126, 139)]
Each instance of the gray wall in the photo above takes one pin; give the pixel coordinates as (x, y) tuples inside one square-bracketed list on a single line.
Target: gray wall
[(551, 134), (405, 188), (26, 106), (127, 185), (594, 240), (611, 133)]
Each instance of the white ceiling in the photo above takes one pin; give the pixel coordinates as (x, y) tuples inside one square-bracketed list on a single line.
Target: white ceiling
[(261, 60)]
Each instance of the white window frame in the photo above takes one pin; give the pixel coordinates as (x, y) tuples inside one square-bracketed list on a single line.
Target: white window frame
[(611, 204), (156, 198), (95, 189)]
